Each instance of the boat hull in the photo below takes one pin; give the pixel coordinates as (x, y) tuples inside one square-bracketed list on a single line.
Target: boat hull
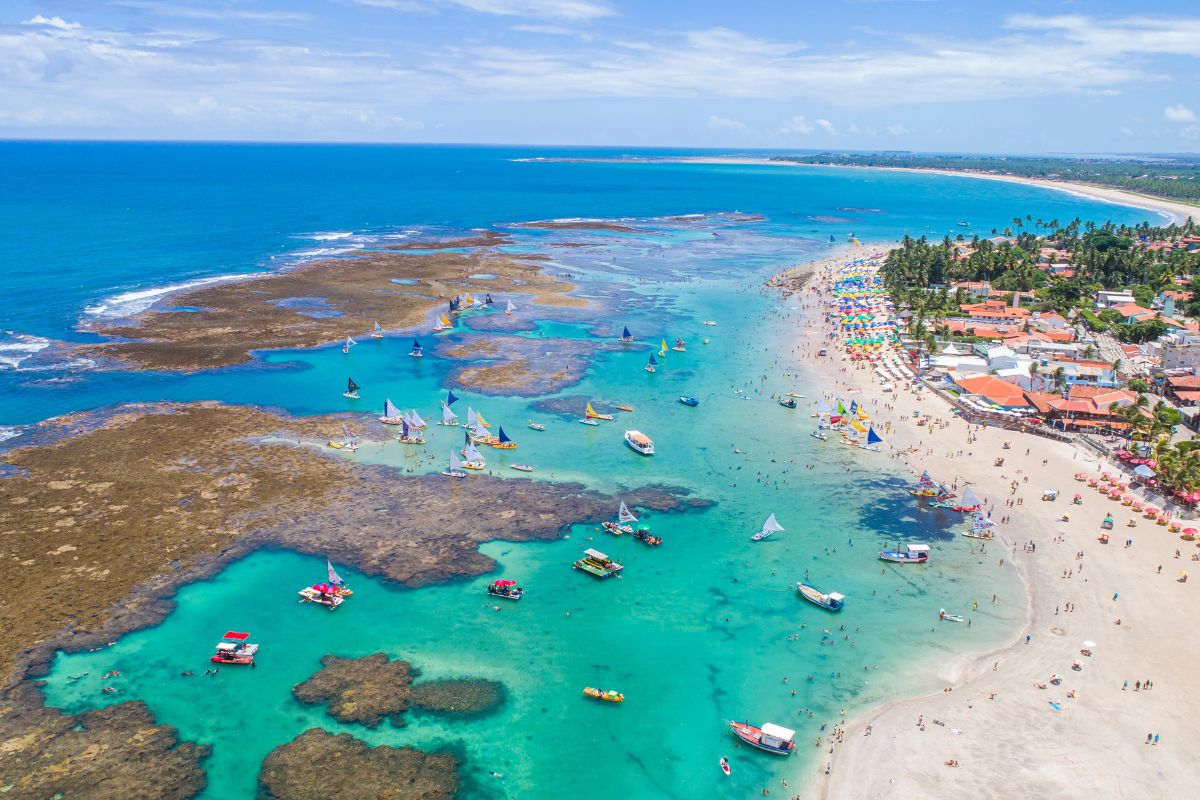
[(750, 735), (818, 598), (903, 558)]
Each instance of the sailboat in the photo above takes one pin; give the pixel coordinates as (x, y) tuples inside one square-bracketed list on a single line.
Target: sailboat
[(487, 301), (415, 420), (409, 434), (349, 343), (471, 417), (662, 350), (873, 440), (351, 389), (480, 435), (981, 527), (503, 442), (449, 418), (391, 414), (623, 523), (451, 397), (455, 470), (378, 332), (770, 526), (652, 364), (680, 345), (349, 440), (481, 421), (474, 459), (626, 336), (509, 308), (336, 581), (590, 413), (417, 350), (443, 323)]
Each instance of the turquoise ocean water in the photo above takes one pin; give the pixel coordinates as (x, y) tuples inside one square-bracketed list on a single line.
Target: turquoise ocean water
[(697, 632)]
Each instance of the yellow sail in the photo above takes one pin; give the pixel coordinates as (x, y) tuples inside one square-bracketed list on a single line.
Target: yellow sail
[(481, 420), (857, 425), (470, 301), (445, 320), (862, 414), (591, 412)]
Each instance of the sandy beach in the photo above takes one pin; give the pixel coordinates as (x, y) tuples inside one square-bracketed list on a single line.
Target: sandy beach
[(993, 725)]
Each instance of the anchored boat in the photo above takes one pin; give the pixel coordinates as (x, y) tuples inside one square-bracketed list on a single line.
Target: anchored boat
[(378, 332), (351, 389), (608, 697), (639, 442), (623, 523), (688, 400), (596, 563), (455, 469), (506, 589), (912, 554), (590, 413), (522, 467), (234, 649), (537, 426), (503, 442), (830, 602), (391, 414), (771, 525), (770, 737), (789, 403)]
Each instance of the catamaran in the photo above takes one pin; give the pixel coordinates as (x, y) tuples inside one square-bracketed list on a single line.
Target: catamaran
[(417, 350), (770, 737), (830, 602), (351, 389), (590, 413), (455, 470), (449, 418), (378, 332), (391, 414), (639, 442), (911, 554), (626, 336), (474, 459), (652, 364), (503, 442), (771, 525), (509, 308), (623, 522)]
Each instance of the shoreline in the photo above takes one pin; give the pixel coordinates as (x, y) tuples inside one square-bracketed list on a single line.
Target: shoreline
[(1090, 747)]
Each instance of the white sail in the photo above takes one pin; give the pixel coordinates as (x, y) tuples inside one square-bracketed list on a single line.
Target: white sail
[(510, 307), (416, 421), (471, 418), (447, 414), (350, 342), (472, 453), (480, 431), (377, 328), (334, 578), (390, 411), (625, 515), (407, 418), (771, 525), (455, 462)]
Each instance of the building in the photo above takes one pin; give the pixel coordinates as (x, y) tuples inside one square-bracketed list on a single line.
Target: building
[(1106, 299), (1083, 409), (1180, 351), (995, 312), (993, 390)]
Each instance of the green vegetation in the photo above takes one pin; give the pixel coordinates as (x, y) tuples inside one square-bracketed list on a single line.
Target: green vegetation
[(1175, 177)]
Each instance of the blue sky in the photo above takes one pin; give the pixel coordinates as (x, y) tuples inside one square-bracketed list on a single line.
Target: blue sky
[(942, 75)]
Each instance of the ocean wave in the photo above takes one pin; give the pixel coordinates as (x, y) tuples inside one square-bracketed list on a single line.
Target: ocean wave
[(129, 303), (9, 432), (16, 347), (329, 236)]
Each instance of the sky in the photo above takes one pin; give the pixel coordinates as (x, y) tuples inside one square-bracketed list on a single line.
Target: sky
[(1106, 76)]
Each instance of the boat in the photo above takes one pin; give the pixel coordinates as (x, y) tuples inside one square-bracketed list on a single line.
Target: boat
[(725, 766), (623, 522), (378, 332), (479, 420), (417, 350), (234, 649), (662, 350), (624, 407), (596, 563), (349, 440), (873, 441), (981, 527), (789, 403), (770, 737), (505, 589), (944, 617), (351, 389), (608, 697), (639, 442), (642, 534), (509, 308), (680, 345), (818, 434), (321, 594), (590, 413), (537, 426), (962, 223), (391, 414), (688, 400), (831, 601), (349, 343), (522, 467), (709, 322), (503, 442), (449, 418), (912, 554), (652, 364), (770, 525), (455, 469), (409, 434), (443, 324), (626, 336), (336, 581), (480, 435), (589, 422), (474, 459)]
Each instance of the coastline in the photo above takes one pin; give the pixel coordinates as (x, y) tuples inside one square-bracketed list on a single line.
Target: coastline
[(998, 726)]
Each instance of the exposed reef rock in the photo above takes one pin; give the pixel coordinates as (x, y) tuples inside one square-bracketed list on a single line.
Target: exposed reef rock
[(518, 365), (318, 766), (364, 690), (458, 697)]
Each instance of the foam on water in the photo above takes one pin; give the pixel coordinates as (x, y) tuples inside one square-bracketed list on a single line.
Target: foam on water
[(132, 302), (17, 347)]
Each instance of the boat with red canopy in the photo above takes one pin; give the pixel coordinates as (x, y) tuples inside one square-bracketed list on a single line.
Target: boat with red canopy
[(770, 737), (234, 649), (506, 589)]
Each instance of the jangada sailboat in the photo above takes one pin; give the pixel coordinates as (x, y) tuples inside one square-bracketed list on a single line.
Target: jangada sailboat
[(652, 364), (680, 345), (351, 389), (455, 470), (590, 413), (409, 434), (417, 350), (378, 332), (771, 525), (503, 442), (622, 524), (509, 308), (474, 459), (626, 336), (391, 414), (662, 350), (349, 343), (449, 418), (443, 323)]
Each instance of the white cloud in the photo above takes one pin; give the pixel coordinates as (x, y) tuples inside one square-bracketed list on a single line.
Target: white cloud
[(724, 123), (827, 126), (796, 125), (555, 9), (53, 22), (897, 130), (1179, 113), (1127, 131)]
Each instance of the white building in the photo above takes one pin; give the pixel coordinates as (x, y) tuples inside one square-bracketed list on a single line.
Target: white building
[(1107, 299), (1180, 351)]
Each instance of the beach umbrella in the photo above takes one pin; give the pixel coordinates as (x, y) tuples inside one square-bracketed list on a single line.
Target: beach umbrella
[(1189, 531)]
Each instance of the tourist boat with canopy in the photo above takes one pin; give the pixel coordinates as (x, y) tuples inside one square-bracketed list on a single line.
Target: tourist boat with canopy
[(609, 696), (831, 601), (639, 442), (689, 400), (623, 522), (503, 442), (770, 737), (626, 336), (377, 333), (537, 426), (770, 526), (351, 389), (417, 350), (391, 414), (596, 563), (456, 467), (911, 554), (505, 589), (652, 364), (591, 413), (233, 649), (680, 345)]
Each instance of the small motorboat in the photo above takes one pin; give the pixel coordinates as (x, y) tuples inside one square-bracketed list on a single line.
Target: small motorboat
[(830, 602), (522, 467), (588, 422), (642, 534), (709, 322), (912, 554), (624, 408), (944, 617), (639, 442), (770, 737), (537, 426), (789, 403), (505, 589), (609, 697), (818, 435), (688, 400), (234, 649)]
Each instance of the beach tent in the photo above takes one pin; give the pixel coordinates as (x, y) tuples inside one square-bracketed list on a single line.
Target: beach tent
[(1143, 471)]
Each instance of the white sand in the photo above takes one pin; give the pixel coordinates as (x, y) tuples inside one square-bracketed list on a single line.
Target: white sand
[(1016, 745)]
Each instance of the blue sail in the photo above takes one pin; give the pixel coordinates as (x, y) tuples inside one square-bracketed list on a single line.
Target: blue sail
[(625, 334), (873, 437), (653, 360), (454, 304), (416, 346), (503, 437), (853, 406), (451, 397)]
